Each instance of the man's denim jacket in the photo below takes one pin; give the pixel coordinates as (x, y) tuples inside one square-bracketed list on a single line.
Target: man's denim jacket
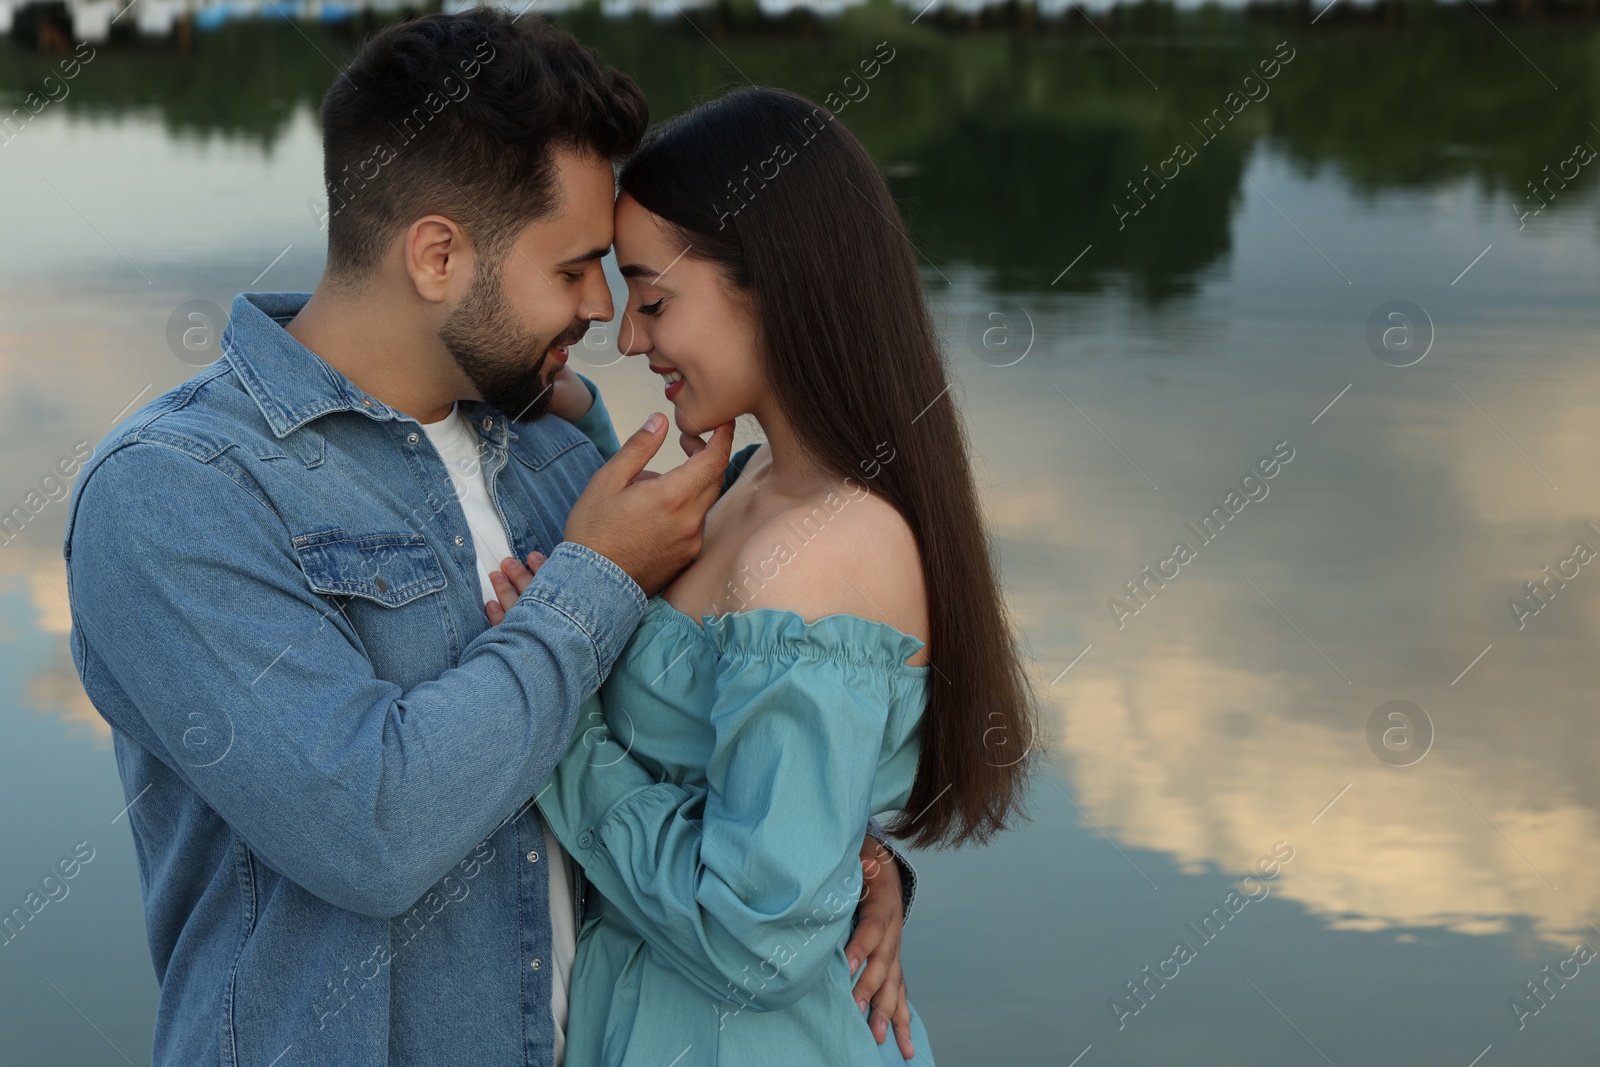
[(330, 756)]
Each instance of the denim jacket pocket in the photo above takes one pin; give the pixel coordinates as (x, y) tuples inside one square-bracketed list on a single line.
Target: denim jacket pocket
[(388, 568)]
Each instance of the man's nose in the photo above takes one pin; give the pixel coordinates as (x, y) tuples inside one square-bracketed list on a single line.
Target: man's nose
[(596, 304)]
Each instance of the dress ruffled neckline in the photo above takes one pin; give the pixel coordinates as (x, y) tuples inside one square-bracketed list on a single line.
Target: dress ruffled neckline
[(770, 631)]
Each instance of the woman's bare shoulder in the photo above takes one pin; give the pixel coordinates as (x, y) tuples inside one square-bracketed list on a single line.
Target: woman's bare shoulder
[(848, 552)]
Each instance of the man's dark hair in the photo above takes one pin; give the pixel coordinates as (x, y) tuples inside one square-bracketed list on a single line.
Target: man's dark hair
[(458, 115)]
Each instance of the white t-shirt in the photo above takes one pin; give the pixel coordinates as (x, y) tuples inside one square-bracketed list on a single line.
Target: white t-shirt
[(453, 436)]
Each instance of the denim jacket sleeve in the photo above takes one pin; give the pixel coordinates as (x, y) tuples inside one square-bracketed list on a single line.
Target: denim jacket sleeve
[(741, 883), (908, 873), (596, 423), (187, 588)]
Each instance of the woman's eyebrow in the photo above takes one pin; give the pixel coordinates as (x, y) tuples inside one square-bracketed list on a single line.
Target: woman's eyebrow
[(639, 270)]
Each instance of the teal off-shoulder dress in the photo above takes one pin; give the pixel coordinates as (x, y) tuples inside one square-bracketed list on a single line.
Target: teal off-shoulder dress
[(715, 798)]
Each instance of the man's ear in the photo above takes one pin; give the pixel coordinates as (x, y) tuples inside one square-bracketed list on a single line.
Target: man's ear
[(438, 257)]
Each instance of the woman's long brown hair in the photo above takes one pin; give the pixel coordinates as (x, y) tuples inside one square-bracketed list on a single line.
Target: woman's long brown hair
[(775, 191)]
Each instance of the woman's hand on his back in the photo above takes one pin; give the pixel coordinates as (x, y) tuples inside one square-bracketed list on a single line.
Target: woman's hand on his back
[(509, 582)]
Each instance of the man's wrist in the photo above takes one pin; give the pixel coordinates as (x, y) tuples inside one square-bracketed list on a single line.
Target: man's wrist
[(908, 873), (594, 593)]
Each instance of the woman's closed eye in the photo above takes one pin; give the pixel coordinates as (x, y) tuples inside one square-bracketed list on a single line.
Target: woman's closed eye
[(649, 309)]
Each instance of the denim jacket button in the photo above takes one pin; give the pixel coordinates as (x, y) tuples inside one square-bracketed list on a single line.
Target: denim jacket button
[(533, 857), (536, 964), (585, 839), (460, 540), (383, 586), (412, 438), (488, 423)]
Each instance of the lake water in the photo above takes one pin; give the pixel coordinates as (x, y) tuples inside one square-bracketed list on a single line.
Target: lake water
[(1346, 278)]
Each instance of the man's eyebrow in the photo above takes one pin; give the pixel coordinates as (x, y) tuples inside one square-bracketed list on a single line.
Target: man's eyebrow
[(639, 270), (593, 253)]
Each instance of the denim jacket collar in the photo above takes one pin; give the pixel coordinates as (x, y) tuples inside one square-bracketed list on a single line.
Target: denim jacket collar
[(293, 386)]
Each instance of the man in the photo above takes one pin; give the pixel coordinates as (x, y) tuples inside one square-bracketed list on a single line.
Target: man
[(278, 583)]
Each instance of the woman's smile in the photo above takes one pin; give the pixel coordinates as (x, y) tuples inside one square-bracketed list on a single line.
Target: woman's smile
[(673, 377)]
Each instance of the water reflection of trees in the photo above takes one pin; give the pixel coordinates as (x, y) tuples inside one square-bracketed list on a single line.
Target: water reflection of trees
[(1010, 150)]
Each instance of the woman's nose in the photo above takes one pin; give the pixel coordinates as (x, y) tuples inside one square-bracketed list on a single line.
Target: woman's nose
[(632, 339)]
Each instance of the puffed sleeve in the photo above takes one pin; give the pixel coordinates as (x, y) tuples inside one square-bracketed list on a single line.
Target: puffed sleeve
[(748, 884)]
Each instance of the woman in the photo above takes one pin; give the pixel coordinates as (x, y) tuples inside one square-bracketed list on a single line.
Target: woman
[(838, 649)]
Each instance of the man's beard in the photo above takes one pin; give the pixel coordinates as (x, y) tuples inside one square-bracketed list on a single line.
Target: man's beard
[(491, 349)]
